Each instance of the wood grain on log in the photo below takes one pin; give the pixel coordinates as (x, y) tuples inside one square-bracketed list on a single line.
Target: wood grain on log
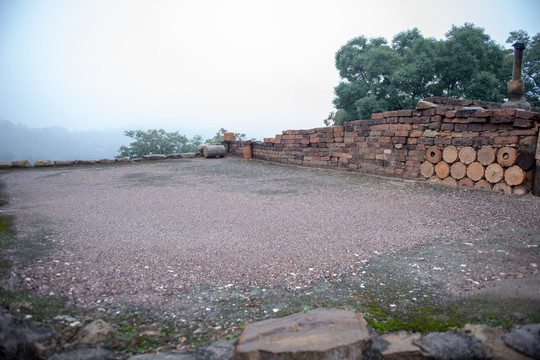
[(520, 190), (427, 169), (503, 187), (442, 169), (458, 170), (467, 155), (450, 154), (433, 154), (475, 171), (449, 181), (483, 184), (487, 155), (515, 175), (494, 173), (466, 182), (507, 156)]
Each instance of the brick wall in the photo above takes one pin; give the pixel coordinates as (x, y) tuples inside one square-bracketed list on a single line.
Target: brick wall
[(395, 143)]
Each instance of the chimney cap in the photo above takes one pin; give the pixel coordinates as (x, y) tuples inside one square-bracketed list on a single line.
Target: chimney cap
[(519, 45)]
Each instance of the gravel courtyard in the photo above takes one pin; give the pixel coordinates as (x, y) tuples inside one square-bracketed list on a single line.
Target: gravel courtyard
[(161, 233)]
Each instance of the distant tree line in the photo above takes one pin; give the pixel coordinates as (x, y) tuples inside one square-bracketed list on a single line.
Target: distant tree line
[(468, 64), (155, 141)]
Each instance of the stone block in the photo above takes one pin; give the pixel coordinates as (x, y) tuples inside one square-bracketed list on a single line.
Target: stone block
[(318, 334), (41, 163)]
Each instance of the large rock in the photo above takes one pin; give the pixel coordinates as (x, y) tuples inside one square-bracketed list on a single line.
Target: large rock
[(155, 157), (424, 105), (84, 353), (106, 161), (319, 334), (451, 346), (93, 333), (525, 339), (85, 162), (63, 162), (21, 163), (492, 340), (39, 163), (18, 338), (399, 345), (5, 165), (221, 350)]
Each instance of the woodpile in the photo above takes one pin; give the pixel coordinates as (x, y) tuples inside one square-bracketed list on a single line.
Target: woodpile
[(501, 169)]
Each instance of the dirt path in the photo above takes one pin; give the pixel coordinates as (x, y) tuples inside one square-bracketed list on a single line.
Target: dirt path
[(226, 240)]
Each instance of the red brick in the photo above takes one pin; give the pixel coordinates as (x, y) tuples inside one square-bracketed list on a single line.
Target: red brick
[(416, 133), (388, 114), (503, 140), (348, 140), (379, 127), (407, 113), (528, 115), (529, 140), (483, 113), (501, 119), (522, 123), (287, 132), (450, 114), (412, 141), (385, 139), (403, 133), (377, 116), (400, 127), (504, 112), (523, 132)]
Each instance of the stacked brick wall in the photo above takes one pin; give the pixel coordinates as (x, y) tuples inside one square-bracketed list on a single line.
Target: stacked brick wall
[(395, 143)]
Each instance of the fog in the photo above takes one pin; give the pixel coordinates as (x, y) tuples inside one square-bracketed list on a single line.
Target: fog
[(251, 66)]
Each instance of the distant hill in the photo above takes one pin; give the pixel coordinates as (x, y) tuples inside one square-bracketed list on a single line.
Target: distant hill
[(19, 142)]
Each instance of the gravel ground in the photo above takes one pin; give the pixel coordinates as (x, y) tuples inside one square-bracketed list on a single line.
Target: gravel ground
[(160, 233)]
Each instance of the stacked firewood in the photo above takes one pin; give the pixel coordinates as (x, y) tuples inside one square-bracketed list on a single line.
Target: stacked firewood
[(502, 169)]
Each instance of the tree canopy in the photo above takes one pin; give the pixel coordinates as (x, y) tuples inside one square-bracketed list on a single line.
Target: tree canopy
[(468, 64), (157, 142)]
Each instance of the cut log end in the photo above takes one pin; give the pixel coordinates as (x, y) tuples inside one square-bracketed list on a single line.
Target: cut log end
[(475, 171), (467, 155), (466, 182), (487, 155), (494, 173), (433, 154), (427, 169), (458, 170), (502, 187), (442, 170), (450, 154), (507, 156), (515, 176), (483, 184)]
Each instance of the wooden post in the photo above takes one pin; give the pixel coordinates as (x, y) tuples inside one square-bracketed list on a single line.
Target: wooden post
[(536, 186)]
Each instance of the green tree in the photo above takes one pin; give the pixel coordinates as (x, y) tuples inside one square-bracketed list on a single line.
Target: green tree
[(219, 137), (530, 64), (157, 142), (380, 77)]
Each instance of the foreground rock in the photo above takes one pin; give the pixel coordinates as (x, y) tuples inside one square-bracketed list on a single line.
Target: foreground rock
[(18, 338), (452, 346), (525, 339), (319, 334)]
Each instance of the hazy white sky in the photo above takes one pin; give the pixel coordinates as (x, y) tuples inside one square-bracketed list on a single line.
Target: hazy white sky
[(251, 66)]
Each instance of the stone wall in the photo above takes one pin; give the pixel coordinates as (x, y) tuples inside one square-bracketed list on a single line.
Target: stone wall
[(407, 144)]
